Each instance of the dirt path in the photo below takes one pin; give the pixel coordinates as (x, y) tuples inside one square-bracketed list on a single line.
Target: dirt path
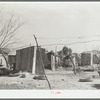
[(58, 79)]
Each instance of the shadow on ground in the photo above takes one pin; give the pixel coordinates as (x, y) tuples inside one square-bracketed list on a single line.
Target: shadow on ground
[(97, 86)]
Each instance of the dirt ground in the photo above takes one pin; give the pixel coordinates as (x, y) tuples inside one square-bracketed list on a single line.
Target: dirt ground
[(59, 79)]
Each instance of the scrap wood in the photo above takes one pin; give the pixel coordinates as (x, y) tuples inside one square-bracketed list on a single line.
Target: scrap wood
[(85, 80)]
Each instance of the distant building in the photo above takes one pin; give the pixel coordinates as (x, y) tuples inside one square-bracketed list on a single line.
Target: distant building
[(90, 57), (6, 51)]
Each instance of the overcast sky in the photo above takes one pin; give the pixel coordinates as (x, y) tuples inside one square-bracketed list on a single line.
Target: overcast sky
[(56, 20)]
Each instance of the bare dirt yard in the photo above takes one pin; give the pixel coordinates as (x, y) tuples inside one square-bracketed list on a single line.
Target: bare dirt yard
[(59, 79)]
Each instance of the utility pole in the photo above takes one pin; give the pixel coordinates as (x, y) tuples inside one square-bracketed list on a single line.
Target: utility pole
[(41, 61)]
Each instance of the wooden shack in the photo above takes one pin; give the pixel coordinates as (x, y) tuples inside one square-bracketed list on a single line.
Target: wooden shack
[(85, 59), (28, 59)]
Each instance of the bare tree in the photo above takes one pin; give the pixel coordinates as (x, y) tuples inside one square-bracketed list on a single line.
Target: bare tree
[(8, 28)]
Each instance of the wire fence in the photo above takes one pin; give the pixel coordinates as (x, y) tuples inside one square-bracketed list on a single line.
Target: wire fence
[(62, 44)]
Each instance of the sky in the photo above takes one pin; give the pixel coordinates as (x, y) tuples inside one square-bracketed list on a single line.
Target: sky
[(57, 23)]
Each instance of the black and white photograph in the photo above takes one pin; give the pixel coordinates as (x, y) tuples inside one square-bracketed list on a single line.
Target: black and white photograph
[(50, 46)]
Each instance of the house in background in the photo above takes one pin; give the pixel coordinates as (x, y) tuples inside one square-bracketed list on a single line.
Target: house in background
[(85, 59), (54, 61), (2, 60), (90, 57), (12, 59)]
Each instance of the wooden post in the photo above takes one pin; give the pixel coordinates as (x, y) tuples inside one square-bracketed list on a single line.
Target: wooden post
[(34, 60), (91, 59), (42, 61), (52, 62)]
